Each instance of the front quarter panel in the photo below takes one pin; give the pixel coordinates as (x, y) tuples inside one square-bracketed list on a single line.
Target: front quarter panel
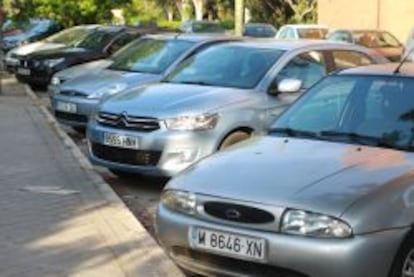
[(390, 206)]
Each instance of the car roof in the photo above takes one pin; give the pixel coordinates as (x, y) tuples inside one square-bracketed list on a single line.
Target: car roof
[(288, 45), (387, 69), (362, 30), (192, 37), (304, 26)]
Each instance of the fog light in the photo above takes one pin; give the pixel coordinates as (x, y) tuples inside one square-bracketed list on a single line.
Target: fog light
[(181, 156)]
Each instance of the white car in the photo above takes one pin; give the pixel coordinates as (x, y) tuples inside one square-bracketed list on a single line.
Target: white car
[(302, 31)]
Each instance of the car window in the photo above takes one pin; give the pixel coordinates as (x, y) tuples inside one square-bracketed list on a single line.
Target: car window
[(70, 36), (149, 55), (290, 33), (379, 107), (226, 66), (346, 59), (259, 31), (308, 67), (340, 36), (312, 33), (121, 41), (96, 40), (373, 39)]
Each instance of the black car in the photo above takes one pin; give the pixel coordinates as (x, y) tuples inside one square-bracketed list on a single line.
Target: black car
[(33, 30), (72, 46)]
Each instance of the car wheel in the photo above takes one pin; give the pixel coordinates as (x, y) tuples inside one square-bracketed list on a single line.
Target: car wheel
[(120, 173), (234, 138), (404, 262), (80, 130)]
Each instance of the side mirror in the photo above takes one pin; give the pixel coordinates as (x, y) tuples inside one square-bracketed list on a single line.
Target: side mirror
[(289, 86)]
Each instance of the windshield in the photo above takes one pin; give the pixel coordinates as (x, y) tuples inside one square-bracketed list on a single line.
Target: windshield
[(374, 110), (149, 55), (226, 66), (96, 40), (69, 36), (259, 31), (312, 33), (376, 39)]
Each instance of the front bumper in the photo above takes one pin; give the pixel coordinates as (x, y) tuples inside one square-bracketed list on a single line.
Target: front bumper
[(162, 152), (84, 109), (366, 255)]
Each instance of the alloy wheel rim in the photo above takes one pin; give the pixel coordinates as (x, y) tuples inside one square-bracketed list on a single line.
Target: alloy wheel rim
[(408, 267)]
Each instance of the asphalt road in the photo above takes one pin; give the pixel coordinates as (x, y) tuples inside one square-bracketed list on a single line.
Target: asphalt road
[(140, 193)]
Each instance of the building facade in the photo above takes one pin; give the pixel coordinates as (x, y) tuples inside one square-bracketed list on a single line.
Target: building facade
[(396, 16)]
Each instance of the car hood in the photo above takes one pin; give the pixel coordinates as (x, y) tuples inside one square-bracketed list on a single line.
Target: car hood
[(36, 46), (320, 176), (82, 69), (90, 83), (170, 100)]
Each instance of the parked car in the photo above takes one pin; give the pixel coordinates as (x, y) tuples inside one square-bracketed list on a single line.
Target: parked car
[(36, 63), (201, 26), (147, 60), (35, 30), (10, 27), (259, 30), (328, 192), (381, 41), (302, 31), (213, 99)]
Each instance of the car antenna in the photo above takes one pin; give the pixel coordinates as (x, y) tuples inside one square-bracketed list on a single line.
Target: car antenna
[(397, 70)]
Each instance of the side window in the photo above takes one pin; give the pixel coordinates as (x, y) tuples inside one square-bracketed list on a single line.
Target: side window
[(121, 41), (340, 36), (290, 33), (346, 59), (282, 34), (308, 67)]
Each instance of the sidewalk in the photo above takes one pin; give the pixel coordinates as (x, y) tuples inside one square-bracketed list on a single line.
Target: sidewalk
[(57, 217)]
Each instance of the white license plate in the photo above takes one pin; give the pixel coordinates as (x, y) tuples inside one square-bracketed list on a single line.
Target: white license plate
[(66, 107), (23, 71), (119, 140), (246, 247)]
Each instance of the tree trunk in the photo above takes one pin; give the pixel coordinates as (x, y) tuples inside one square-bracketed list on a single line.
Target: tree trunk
[(198, 7)]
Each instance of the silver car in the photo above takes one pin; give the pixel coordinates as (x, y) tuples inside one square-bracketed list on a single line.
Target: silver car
[(218, 97), (328, 193), (146, 60)]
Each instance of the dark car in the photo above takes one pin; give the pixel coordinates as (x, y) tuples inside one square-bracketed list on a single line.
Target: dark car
[(259, 30), (383, 42), (201, 26), (34, 30), (73, 46)]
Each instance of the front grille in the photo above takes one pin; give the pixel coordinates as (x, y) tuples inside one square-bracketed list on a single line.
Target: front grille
[(238, 213), (71, 117), (124, 121), (72, 93), (126, 156), (245, 268)]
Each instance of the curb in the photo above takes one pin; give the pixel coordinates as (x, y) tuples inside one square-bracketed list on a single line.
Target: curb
[(132, 229)]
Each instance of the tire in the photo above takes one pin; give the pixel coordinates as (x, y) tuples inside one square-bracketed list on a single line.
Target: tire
[(402, 261), (80, 130), (120, 173), (234, 138)]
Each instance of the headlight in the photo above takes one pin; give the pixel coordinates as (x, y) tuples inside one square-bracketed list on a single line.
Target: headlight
[(303, 223), (55, 81), (53, 62), (193, 123), (112, 89), (180, 201)]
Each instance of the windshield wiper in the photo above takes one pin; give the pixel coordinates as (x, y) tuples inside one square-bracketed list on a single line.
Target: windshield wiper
[(361, 139), (293, 132), (200, 83)]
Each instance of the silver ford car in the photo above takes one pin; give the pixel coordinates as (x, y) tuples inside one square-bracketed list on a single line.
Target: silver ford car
[(220, 96), (146, 60), (329, 192)]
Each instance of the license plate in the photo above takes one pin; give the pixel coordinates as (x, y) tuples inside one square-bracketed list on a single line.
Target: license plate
[(245, 247), (119, 140), (23, 71), (66, 107)]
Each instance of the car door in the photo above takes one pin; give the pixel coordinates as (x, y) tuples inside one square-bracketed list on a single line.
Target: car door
[(308, 67)]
